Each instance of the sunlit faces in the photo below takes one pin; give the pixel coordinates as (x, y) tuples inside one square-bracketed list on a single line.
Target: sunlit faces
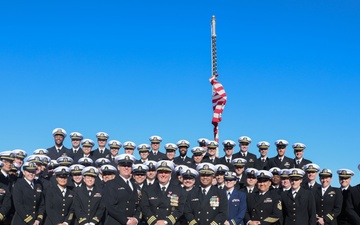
[(151, 174), (325, 181), (144, 155), (281, 149), (155, 146), (211, 152), (58, 139), (244, 147), (311, 175), (129, 151), (183, 151), (163, 176), (101, 143), (77, 178), (125, 170), (7, 165), (139, 178), (62, 181), (298, 153), (230, 184), (295, 183), (228, 151), (263, 185), (276, 179), (220, 178), (344, 181), (89, 181), (114, 152), (108, 177), (29, 175), (86, 150), (285, 182), (75, 143), (170, 155), (197, 158), (263, 152), (19, 161), (251, 181), (239, 170), (188, 182), (206, 180)]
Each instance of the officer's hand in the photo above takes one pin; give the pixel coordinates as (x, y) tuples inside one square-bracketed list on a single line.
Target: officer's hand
[(320, 220), (131, 221), (226, 223), (160, 222), (37, 222), (253, 222)]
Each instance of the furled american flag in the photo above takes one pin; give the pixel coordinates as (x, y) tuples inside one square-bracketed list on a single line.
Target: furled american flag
[(218, 101)]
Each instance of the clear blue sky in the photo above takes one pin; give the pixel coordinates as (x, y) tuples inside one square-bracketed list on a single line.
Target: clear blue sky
[(139, 68)]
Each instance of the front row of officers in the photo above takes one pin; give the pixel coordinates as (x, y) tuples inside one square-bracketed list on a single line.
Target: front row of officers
[(158, 193)]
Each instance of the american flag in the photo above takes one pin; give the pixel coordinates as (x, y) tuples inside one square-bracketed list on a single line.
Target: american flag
[(218, 101)]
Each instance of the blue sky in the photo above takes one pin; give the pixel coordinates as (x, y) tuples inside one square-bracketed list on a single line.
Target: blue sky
[(139, 68)]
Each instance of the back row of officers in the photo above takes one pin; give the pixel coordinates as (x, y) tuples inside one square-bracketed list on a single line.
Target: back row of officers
[(118, 189)]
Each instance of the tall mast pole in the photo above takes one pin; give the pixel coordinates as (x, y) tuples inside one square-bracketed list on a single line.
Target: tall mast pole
[(214, 65)]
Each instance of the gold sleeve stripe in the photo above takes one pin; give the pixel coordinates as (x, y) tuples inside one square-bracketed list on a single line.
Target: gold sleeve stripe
[(192, 222), (28, 219), (96, 219), (1, 216), (151, 219), (271, 219), (40, 217), (330, 217), (213, 223), (172, 219), (233, 222), (82, 220)]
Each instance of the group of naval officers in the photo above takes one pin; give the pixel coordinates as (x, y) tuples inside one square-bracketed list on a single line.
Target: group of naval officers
[(82, 186)]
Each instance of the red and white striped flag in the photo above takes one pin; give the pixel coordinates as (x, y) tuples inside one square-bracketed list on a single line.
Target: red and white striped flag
[(218, 101)]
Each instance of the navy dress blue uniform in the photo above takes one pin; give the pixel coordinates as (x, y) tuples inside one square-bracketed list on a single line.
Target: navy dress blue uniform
[(88, 208), (286, 162), (211, 208), (352, 205), (29, 203), (343, 218), (5, 202), (300, 210), (59, 208), (301, 164), (159, 156), (262, 165), (329, 205), (182, 160), (227, 162), (237, 207), (265, 208), (55, 153), (162, 205), (250, 158), (96, 154), (120, 202)]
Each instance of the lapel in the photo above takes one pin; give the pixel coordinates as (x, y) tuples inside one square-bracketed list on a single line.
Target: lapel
[(290, 195), (260, 198), (125, 185)]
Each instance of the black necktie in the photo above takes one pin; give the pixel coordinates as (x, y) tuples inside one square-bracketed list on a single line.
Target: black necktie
[(155, 153), (204, 191), (229, 194), (297, 162), (294, 194), (32, 185), (63, 193), (244, 155), (311, 186), (250, 190), (228, 160), (89, 192), (101, 151), (263, 160)]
